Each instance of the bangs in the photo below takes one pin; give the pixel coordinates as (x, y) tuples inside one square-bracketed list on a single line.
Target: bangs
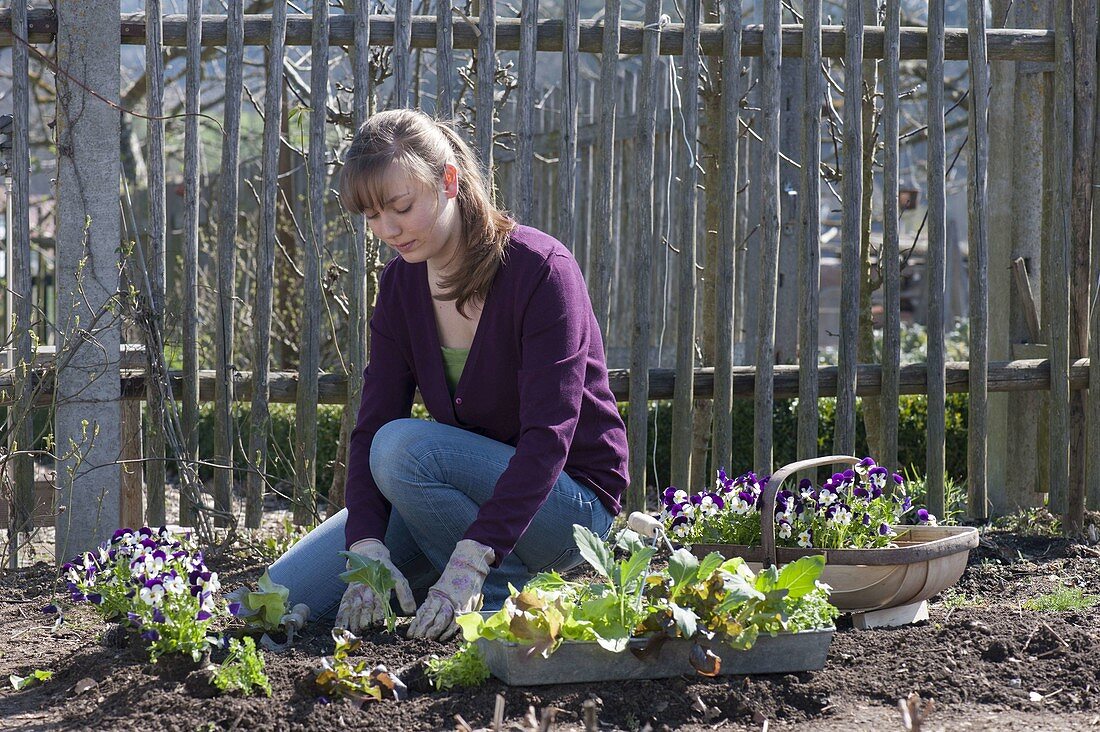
[(365, 185)]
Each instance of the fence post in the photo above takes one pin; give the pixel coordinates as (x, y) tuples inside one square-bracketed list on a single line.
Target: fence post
[(86, 422)]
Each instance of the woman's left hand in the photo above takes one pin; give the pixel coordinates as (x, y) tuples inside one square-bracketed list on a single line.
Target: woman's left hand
[(458, 591)]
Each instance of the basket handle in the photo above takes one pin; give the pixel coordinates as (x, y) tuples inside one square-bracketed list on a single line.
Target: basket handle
[(768, 496)]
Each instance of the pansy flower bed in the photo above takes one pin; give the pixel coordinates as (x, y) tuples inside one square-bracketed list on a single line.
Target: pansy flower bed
[(155, 581), (857, 508)]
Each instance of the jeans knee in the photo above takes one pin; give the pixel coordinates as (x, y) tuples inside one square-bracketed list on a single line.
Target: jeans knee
[(393, 454)]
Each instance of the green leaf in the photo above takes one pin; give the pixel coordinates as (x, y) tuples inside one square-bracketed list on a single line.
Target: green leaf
[(799, 577), (37, 676), (686, 620), (594, 551), (738, 591), (767, 580), (629, 541), (683, 567), (616, 644), (709, 565), (268, 605), (470, 623), (635, 566)]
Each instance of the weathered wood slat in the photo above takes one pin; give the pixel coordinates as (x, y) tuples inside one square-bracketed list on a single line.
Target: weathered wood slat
[(725, 273), (1022, 375), (891, 254), (768, 274), (486, 70), (1004, 45), (1093, 497), (444, 69), (601, 254), (809, 249), (642, 233), (978, 267), (265, 264), (305, 453), (852, 187), (567, 152), (190, 322), (226, 256), (682, 408), (402, 51), (155, 268), (20, 433), (1084, 114), (525, 119), (1058, 277), (937, 255)]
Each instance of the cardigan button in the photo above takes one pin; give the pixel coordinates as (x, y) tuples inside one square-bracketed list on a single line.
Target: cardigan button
[(458, 401)]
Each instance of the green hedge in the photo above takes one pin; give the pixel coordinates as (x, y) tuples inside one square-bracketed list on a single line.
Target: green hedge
[(912, 435)]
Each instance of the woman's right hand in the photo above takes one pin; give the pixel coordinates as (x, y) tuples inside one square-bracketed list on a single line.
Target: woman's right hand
[(360, 607)]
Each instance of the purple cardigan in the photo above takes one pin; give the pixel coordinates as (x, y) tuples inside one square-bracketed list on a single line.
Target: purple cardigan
[(536, 379)]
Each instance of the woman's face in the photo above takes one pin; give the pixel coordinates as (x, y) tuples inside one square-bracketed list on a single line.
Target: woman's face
[(421, 223)]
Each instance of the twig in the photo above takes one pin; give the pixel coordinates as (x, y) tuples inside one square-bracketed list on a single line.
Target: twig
[(498, 714), (1053, 633)]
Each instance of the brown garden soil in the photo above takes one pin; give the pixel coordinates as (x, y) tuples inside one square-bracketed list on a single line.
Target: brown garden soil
[(985, 661)]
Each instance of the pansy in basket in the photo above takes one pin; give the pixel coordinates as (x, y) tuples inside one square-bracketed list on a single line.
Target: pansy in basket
[(853, 509), (154, 580)]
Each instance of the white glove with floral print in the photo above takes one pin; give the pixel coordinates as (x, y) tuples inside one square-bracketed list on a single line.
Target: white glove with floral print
[(458, 591), (360, 607)]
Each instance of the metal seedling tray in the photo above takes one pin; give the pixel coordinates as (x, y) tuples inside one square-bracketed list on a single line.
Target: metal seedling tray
[(585, 661)]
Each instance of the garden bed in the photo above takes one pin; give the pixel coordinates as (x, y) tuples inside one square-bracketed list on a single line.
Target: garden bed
[(987, 662)]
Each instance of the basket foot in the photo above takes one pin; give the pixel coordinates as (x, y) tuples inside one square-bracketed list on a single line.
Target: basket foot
[(891, 617)]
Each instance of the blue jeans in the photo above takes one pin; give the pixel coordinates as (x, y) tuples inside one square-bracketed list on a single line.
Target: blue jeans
[(436, 477)]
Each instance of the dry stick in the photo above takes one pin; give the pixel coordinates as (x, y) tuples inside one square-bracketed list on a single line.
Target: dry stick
[(937, 243), (809, 250), (891, 254), (978, 268), (844, 440), (261, 346), (643, 234), (226, 257), (682, 409), (305, 482), (725, 270), (155, 258), (769, 250)]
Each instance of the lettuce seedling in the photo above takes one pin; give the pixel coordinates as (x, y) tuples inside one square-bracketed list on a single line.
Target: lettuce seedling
[(37, 676), (466, 668), (341, 675), (377, 577), (261, 609)]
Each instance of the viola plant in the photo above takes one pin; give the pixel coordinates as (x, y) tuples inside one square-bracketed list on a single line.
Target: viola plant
[(854, 509), (154, 580)]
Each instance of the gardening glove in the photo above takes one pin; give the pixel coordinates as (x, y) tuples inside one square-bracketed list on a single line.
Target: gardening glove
[(360, 607), (458, 591)]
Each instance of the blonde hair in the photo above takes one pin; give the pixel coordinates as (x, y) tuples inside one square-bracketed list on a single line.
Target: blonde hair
[(422, 147)]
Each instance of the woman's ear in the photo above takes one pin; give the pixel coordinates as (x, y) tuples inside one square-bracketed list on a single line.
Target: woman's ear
[(450, 180)]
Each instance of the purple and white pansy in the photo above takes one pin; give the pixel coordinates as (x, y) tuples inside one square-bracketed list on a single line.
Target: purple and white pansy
[(854, 508), (151, 579)]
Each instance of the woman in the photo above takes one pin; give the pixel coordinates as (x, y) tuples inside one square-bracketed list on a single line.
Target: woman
[(492, 322)]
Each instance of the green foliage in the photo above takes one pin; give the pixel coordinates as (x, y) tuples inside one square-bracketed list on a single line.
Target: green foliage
[(38, 676), (280, 444), (703, 600), (242, 670), (912, 435), (1061, 600), (341, 675), (466, 668), (374, 575), (1031, 522), (262, 609), (270, 545), (954, 496)]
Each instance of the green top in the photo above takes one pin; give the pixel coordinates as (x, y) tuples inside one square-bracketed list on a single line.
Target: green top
[(454, 360)]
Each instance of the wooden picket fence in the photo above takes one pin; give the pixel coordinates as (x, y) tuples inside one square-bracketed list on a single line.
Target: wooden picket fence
[(86, 117)]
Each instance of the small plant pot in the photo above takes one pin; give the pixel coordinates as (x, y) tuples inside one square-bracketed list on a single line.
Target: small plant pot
[(926, 560), (577, 662)]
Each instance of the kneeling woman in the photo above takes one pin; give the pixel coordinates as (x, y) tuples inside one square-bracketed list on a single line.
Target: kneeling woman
[(492, 322)]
